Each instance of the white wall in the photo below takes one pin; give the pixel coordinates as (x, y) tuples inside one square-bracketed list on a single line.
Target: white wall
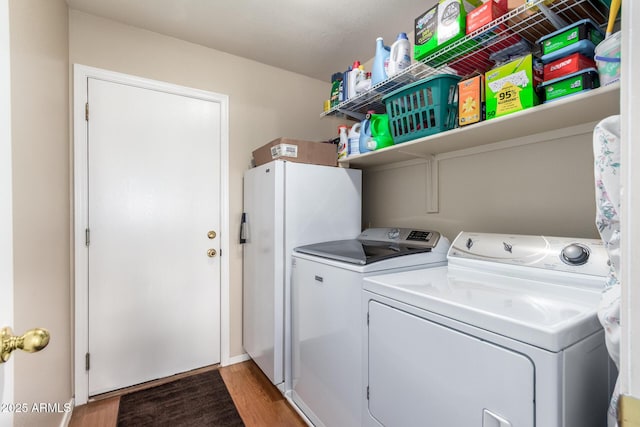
[(541, 188), (41, 200)]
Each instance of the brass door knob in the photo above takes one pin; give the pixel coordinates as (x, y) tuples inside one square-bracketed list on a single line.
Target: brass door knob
[(32, 341), (211, 234), (211, 253)]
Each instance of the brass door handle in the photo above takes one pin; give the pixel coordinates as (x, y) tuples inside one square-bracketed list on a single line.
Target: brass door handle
[(32, 341), (211, 253)]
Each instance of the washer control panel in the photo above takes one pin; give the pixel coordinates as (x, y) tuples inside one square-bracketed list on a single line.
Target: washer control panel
[(586, 256), (401, 237)]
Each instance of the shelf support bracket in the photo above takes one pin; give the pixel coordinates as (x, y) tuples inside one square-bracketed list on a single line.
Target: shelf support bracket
[(431, 173), (358, 116)]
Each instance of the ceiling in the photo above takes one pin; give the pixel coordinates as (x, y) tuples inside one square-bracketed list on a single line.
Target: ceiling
[(311, 37)]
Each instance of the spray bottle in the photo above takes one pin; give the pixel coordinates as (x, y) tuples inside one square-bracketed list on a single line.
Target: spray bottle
[(343, 145)]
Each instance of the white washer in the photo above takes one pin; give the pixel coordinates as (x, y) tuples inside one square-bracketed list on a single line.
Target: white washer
[(506, 335), (326, 315)]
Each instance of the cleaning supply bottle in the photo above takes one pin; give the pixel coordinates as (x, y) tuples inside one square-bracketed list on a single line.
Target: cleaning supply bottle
[(354, 139), (381, 60), (400, 55), (353, 76), (361, 78), (364, 84), (336, 88), (380, 131), (365, 134), (343, 145), (345, 83)]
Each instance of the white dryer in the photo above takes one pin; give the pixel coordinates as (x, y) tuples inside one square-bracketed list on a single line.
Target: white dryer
[(506, 335), (327, 315)]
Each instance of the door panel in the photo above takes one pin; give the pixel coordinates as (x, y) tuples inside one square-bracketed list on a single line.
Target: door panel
[(263, 279), (422, 373), (154, 294)]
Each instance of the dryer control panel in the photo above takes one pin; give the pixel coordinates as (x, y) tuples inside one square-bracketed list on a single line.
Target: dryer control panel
[(566, 254)]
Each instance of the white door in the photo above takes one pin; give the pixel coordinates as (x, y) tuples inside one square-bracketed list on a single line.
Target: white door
[(153, 199)]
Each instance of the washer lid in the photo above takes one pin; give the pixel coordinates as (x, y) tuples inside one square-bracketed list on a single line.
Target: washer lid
[(376, 244), (542, 314)]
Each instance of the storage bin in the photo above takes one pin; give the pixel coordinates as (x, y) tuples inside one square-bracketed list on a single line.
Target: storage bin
[(572, 84), (423, 108)]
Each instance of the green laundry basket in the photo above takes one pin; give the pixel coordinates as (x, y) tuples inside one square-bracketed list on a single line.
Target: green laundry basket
[(423, 108)]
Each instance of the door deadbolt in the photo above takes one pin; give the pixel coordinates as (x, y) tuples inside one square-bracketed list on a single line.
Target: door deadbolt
[(211, 234), (211, 253)]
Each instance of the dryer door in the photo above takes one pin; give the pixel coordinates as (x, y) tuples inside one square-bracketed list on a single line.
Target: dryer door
[(424, 374)]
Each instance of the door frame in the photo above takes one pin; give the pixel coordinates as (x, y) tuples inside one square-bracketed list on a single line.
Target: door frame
[(6, 195), (81, 74)]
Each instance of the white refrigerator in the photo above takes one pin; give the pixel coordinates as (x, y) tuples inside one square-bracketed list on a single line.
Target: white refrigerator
[(286, 205)]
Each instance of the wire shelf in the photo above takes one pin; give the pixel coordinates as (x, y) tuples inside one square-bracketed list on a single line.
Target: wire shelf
[(472, 54)]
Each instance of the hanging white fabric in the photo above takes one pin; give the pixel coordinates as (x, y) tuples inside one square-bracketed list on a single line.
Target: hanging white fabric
[(606, 152)]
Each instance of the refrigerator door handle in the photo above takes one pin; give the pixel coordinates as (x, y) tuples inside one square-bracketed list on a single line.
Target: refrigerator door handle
[(243, 228)]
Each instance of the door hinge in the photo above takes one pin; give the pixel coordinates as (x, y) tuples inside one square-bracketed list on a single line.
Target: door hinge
[(87, 363), (87, 236), (367, 318), (367, 392), (86, 111)]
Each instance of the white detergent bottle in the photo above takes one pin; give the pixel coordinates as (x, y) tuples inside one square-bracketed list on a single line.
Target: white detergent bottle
[(400, 55), (354, 140), (353, 76)]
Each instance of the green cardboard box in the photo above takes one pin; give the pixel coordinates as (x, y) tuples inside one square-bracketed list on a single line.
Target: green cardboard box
[(439, 26), (509, 88)]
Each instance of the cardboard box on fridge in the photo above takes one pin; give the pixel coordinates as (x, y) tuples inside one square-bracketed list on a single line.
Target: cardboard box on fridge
[(296, 150)]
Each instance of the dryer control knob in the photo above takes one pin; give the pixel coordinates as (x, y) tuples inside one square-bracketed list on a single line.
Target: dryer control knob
[(575, 254), (394, 233)]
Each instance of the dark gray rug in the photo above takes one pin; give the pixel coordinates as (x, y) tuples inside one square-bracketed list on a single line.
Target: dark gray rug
[(198, 400)]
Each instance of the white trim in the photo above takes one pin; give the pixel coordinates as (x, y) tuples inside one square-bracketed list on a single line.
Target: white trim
[(81, 74), (6, 194), (237, 359), (630, 203)]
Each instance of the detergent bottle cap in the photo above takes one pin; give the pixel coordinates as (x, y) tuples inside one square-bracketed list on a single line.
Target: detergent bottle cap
[(356, 64), (402, 36)]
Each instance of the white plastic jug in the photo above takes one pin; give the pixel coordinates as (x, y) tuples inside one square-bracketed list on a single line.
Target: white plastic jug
[(400, 55), (380, 62), (354, 139)]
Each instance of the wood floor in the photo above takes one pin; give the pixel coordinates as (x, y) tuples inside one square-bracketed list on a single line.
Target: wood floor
[(259, 402)]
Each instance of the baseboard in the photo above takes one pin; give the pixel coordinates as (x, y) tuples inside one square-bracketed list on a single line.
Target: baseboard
[(237, 359), (66, 419)]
